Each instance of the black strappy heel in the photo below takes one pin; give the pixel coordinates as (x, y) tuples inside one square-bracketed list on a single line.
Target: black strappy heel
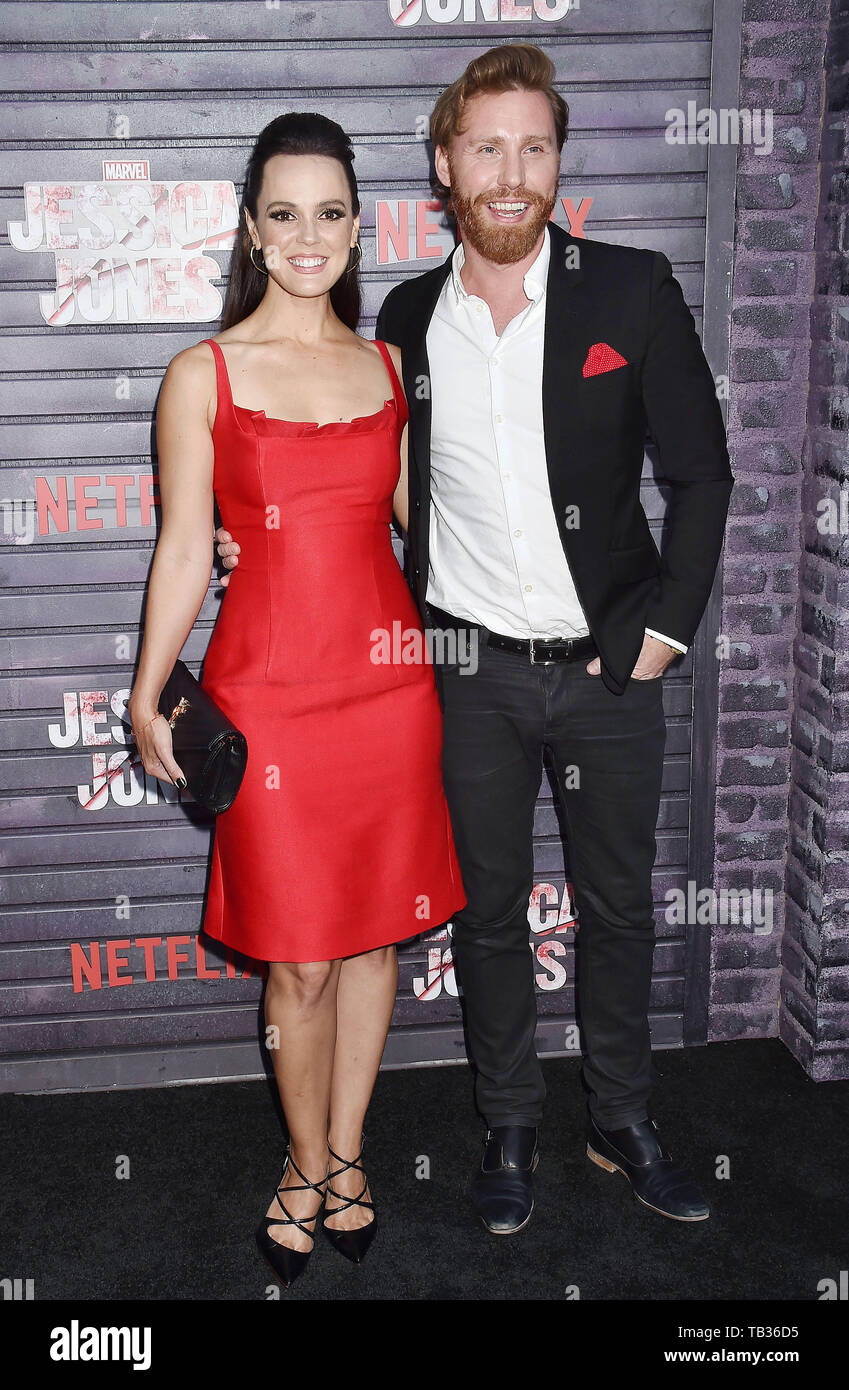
[(352, 1244), (286, 1262)]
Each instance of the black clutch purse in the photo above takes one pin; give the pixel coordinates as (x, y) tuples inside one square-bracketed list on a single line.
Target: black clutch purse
[(210, 750)]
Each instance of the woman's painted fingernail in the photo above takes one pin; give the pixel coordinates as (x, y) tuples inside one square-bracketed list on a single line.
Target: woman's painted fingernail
[(181, 782)]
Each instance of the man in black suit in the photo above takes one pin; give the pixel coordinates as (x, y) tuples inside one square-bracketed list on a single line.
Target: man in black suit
[(533, 364)]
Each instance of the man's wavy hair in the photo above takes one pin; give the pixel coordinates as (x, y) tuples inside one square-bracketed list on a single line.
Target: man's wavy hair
[(509, 67)]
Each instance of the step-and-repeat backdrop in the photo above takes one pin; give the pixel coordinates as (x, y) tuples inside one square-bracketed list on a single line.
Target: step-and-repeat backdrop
[(127, 135)]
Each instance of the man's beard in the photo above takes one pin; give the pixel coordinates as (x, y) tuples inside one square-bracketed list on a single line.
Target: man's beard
[(498, 242)]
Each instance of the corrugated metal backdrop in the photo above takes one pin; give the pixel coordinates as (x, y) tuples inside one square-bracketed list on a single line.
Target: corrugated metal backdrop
[(100, 978)]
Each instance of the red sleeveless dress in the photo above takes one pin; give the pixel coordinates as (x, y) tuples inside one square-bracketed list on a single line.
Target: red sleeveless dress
[(339, 839)]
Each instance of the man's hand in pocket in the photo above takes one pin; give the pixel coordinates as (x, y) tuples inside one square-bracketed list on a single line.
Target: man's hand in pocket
[(653, 660)]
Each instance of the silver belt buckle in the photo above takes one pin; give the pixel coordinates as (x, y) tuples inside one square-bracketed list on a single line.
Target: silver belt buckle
[(548, 661)]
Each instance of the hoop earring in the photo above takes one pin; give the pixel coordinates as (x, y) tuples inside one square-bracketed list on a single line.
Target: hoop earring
[(356, 247), (261, 268)]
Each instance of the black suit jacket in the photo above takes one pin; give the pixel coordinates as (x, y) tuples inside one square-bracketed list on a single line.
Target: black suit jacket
[(595, 430)]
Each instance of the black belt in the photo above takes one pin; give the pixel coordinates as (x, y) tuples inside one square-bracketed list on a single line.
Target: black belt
[(538, 650)]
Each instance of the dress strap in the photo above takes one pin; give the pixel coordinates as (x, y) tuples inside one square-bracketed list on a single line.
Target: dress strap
[(397, 389), (224, 396)]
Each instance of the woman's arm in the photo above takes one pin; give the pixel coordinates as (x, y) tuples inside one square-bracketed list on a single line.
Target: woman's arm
[(400, 500), (182, 561)]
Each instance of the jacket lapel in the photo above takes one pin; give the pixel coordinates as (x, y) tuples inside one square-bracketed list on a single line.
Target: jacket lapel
[(564, 343), (417, 388)]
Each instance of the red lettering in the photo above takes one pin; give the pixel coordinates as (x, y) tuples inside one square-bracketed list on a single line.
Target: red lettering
[(50, 507), (577, 217), (120, 482), (387, 231), (200, 963), (176, 957), (146, 944), (81, 966), (113, 961), (147, 497), (83, 503), (425, 228)]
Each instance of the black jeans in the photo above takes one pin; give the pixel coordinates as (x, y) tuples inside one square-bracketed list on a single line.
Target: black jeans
[(607, 751)]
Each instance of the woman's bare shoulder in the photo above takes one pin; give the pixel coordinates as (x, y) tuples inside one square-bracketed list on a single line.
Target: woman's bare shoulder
[(195, 363), (190, 381)]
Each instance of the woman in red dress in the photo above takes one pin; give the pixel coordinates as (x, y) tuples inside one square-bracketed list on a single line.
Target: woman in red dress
[(338, 844)]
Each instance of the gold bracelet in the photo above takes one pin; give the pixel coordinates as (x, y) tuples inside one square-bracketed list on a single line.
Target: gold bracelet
[(150, 721)]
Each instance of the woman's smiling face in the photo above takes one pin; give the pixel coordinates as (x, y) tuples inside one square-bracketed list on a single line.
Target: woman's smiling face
[(305, 223)]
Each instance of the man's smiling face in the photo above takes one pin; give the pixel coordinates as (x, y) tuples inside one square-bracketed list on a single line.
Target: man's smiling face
[(502, 169)]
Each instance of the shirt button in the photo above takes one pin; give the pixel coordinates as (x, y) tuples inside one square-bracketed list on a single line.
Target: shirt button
[(479, 308), (517, 533), (507, 476), (528, 588), (499, 419), (496, 361)]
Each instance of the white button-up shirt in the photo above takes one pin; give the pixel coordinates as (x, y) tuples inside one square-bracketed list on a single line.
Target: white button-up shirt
[(496, 556)]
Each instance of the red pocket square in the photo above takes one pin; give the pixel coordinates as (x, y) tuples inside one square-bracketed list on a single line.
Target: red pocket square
[(602, 358)]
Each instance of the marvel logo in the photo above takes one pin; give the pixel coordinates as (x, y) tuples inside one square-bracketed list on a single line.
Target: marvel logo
[(126, 169)]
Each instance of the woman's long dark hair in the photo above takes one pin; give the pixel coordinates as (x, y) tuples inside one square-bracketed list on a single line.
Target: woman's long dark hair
[(299, 132)]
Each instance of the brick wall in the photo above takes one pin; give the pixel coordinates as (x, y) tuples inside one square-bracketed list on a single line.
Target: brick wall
[(782, 694), (814, 1017)]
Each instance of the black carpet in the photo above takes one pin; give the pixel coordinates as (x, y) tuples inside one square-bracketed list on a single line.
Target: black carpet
[(204, 1162)]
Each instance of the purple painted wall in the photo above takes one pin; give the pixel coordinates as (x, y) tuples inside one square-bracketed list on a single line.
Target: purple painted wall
[(814, 1019), (782, 795)]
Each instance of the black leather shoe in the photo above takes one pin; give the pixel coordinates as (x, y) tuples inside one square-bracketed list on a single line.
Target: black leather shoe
[(502, 1190), (289, 1264), (352, 1244), (637, 1152)]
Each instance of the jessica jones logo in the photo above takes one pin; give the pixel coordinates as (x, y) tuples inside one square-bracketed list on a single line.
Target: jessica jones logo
[(93, 719), (405, 13), (129, 249)]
